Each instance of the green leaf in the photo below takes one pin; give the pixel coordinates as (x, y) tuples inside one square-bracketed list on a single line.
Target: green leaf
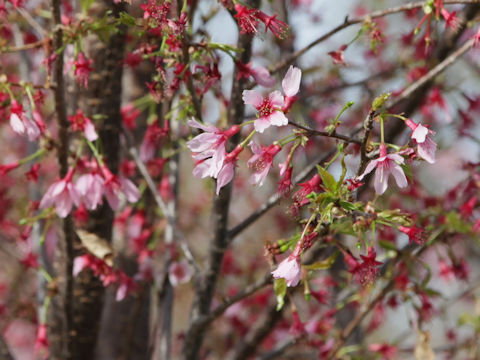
[(126, 19), (280, 288), (387, 245), (380, 100), (349, 206), (322, 265), (328, 180)]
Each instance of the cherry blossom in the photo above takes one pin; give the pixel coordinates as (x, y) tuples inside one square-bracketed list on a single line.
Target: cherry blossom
[(426, 146), (386, 164), (91, 188), (63, 194), (291, 86), (179, 272), (290, 270), (365, 272), (269, 108), (209, 148), (22, 124), (262, 161), (82, 69), (260, 74), (82, 123), (114, 186)]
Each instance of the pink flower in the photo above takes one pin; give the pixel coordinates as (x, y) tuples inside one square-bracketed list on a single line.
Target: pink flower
[(209, 148), (269, 108), (152, 141), (82, 69), (5, 169), (82, 123), (226, 173), (262, 161), (365, 272), (426, 146), (260, 74), (290, 86), (312, 185), (290, 270), (247, 19), (386, 164), (337, 56), (63, 194), (415, 234), (278, 28), (21, 124), (114, 186), (91, 188), (179, 273), (41, 342), (285, 183)]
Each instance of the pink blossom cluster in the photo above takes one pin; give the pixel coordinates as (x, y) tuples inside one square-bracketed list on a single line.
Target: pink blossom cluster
[(89, 190)]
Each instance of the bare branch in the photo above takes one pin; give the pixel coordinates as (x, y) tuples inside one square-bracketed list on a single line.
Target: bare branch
[(358, 20)]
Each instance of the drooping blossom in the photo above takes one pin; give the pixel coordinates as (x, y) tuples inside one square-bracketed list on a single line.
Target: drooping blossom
[(262, 161), (82, 69), (5, 169), (451, 20), (260, 74), (129, 115), (269, 108), (426, 146), (291, 86), (277, 27), (386, 164), (285, 183), (290, 268), (42, 345), (63, 194), (82, 123), (179, 272), (116, 185), (91, 188), (225, 175), (415, 234), (21, 123), (247, 19), (152, 141), (338, 56), (209, 148), (366, 271), (306, 188)]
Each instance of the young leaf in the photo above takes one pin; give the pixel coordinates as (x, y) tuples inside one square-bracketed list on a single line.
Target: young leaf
[(280, 288)]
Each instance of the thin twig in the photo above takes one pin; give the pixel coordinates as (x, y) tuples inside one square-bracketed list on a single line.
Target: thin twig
[(345, 138), (431, 74), (358, 20), (367, 126), (34, 45), (158, 199)]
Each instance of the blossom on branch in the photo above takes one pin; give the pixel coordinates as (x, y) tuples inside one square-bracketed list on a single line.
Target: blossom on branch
[(63, 194), (82, 123), (385, 165), (262, 161), (426, 146)]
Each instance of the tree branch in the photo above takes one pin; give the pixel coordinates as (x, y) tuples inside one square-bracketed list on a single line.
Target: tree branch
[(358, 20)]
